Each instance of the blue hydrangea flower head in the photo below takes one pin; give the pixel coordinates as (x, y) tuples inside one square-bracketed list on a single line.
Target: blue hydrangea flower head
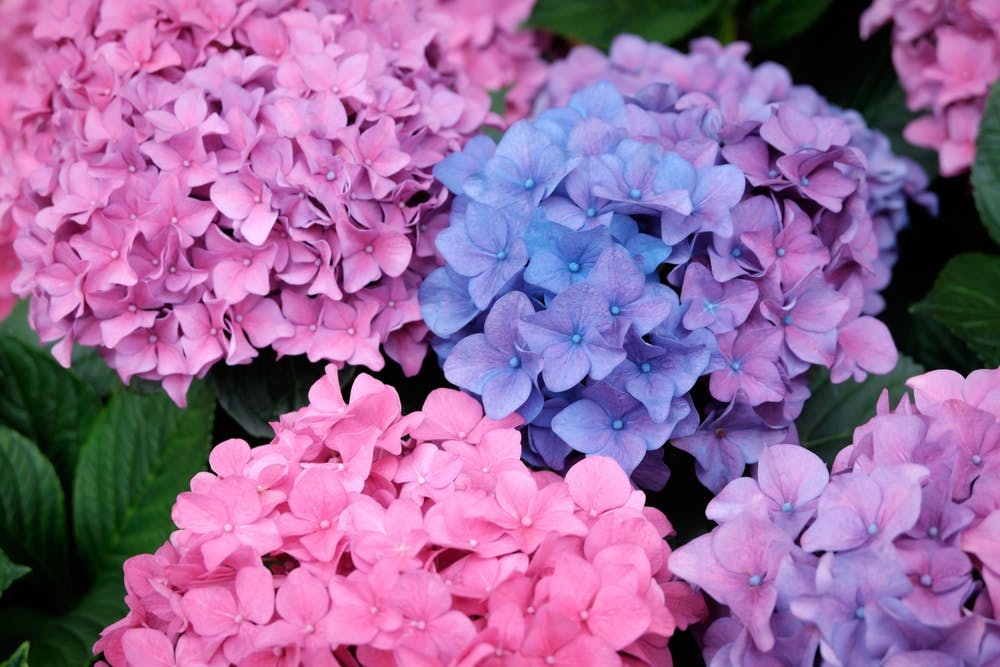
[(666, 226)]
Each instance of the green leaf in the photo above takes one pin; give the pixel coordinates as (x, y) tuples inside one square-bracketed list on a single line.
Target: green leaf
[(10, 571), (986, 169), (260, 392), (32, 510), (67, 639), (47, 404), (833, 411), (141, 452), (966, 300), (16, 325), (598, 21), (774, 21), (19, 657)]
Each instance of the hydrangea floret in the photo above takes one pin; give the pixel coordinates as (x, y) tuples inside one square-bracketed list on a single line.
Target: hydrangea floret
[(685, 216), (891, 560), (947, 55), (363, 536), (199, 181)]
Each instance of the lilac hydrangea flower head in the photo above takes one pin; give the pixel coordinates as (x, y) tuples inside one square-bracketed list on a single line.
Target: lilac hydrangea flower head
[(947, 55), (216, 178), (892, 558), (668, 217)]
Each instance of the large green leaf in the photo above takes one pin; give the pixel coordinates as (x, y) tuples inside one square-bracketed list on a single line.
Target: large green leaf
[(19, 658), (598, 21), (986, 170), (141, 452), (86, 362), (45, 403), (774, 21), (32, 511), (66, 640), (258, 393), (966, 300), (833, 411), (10, 571)]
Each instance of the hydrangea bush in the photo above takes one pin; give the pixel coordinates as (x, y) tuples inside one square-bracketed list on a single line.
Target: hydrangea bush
[(891, 560), (200, 180), (685, 216), (361, 535), (947, 55)]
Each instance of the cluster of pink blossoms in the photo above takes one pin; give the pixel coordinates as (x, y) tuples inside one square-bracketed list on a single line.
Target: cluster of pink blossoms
[(17, 50), (360, 536), (894, 559), (200, 180), (947, 54)]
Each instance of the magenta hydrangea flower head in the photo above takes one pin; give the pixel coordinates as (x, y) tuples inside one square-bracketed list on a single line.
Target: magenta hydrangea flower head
[(363, 536), (200, 181), (891, 559), (947, 55), (666, 217)]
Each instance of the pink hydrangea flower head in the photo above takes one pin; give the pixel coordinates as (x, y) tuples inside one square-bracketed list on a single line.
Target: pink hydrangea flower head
[(664, 217), (947, 55), (891, 559), (17, 51), (244, 175), (360, 535)]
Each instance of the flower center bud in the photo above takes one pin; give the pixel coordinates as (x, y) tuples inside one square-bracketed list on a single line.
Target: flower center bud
[(618, 424), (755, 580)]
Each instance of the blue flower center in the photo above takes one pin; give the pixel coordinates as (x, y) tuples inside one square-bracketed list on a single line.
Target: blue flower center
[(933, 531), (755, 581), (576, 338), (635, 193), (736, 252), (977, 459), (529, 183), (872, 529), (804, 181), (787, 319), (591, 212), (615, 310), (502, 255), (925, 580), (736, 365), (786, 507), (780, 252), (859, 613), (618, 424), (645, 367), (573, 267), (709, 306), (514, 362), (772, 173)]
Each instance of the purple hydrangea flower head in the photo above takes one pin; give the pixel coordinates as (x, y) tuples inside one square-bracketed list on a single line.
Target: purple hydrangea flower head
[(893, 558), (673, 217)]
